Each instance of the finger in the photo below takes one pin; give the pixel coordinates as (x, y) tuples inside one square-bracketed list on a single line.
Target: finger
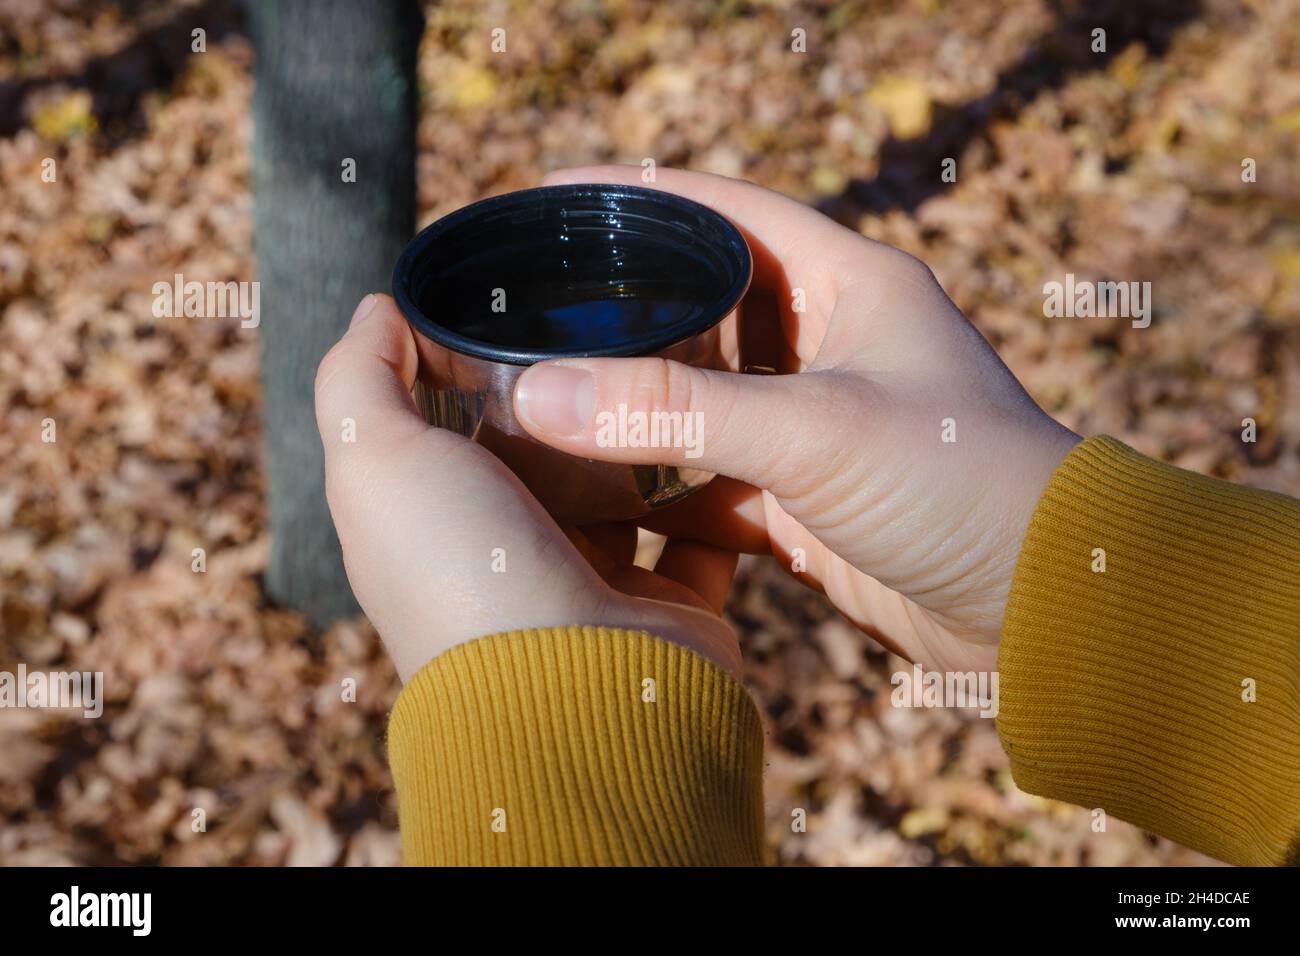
[(363, 384), (774, 336), (725, 513), (738, 517), (704, 569), (615, 540), (772, 431), (639, 582), (597, 558)]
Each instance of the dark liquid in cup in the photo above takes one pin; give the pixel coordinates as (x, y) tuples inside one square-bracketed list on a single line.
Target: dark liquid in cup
[(543, 311), (572, 279)]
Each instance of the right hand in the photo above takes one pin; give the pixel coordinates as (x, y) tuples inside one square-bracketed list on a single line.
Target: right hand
[(913, 538)]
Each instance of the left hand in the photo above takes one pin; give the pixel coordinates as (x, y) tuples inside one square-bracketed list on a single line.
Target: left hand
[(420, 512)]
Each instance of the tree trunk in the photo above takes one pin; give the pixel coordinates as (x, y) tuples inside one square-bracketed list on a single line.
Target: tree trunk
[(335, 81)]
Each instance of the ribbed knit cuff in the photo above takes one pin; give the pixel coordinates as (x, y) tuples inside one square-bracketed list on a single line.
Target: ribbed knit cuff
[(577, 746), (1165, 689)]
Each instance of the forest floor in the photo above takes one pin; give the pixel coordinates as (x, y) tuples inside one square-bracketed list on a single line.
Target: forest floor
[(1119, 166)]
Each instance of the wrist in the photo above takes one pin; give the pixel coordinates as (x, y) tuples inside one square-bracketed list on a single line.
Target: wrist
[(1050, 449)]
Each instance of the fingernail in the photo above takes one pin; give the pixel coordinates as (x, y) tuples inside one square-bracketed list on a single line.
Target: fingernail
[(558, 399), (364, 308)]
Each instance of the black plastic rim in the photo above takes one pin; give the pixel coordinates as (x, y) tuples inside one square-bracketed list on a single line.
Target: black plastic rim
[(588, 193)]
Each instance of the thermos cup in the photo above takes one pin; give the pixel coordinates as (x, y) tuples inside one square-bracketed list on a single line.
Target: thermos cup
[(566, 272)]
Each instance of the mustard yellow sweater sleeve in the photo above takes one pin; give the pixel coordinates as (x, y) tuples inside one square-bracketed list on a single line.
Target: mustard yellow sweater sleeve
[(1164, 689), (577, 746)]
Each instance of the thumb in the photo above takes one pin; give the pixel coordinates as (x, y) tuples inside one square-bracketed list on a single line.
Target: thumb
[(761, 429)]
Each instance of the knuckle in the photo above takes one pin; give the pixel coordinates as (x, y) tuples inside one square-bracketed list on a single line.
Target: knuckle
[(684, 388), (330, 366), (663, 385), (914, 270)]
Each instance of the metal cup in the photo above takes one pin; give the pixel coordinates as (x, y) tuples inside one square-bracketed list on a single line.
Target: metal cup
[(566, 272)]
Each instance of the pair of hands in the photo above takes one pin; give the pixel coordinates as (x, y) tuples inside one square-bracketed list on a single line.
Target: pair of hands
[(842, 466)]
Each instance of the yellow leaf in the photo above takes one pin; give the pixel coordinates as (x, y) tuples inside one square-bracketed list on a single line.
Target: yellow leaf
[(1288, 122), (922, 820), (469, 87), (828, 181), (905, 103), (1165, 131), (99, 228), (665, 78), (1287, 262), (1127, 67), (61, 119)]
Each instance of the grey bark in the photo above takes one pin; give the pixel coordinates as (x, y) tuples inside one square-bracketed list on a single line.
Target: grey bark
[(335, 79)]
